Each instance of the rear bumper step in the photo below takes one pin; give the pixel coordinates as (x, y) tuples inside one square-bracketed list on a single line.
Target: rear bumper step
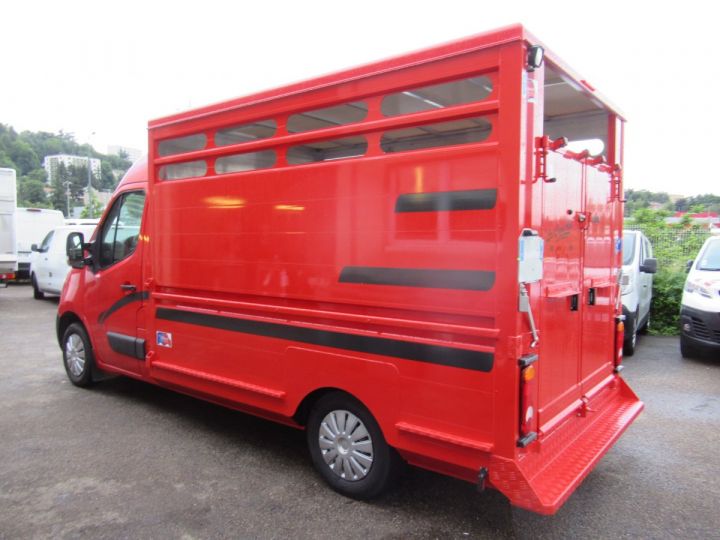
[(547, 473)]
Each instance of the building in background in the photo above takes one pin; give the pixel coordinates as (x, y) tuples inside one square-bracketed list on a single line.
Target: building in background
[(133, 154), (711, 220), (51, 163)]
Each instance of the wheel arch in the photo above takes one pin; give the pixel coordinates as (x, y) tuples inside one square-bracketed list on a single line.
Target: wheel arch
[(302, 412), (65, 320)]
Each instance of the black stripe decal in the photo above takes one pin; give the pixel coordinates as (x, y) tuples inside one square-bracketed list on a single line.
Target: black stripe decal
[(127, 345), (124, 301), (439, 201), (434, 354), (471, 280)]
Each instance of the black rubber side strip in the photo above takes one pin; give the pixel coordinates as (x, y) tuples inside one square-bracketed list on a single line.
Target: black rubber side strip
[(441, 201), (124, 301), (471, 280), (127, 345), (434, 354)]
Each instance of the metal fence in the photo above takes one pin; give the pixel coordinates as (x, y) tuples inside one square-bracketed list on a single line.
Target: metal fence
[(673, 246)]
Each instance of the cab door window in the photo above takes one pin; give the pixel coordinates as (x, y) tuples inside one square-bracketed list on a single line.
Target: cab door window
[(46, 242), (121, 229)]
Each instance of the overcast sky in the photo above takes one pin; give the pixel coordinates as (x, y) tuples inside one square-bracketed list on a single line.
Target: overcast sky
[(109, 67)]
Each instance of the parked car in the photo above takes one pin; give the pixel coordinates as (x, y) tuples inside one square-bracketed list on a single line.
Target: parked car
[(637, 281), (48, 262), (700, 306)]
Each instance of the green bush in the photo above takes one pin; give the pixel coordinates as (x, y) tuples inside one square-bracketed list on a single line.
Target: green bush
[(673, 245), (667, 293)]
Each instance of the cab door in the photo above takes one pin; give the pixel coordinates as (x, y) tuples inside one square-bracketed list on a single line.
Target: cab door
[(56, 261), (40, 261), (114, 289)]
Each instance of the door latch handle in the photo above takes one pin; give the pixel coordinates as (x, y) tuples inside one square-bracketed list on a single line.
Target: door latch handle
[(128, 287)]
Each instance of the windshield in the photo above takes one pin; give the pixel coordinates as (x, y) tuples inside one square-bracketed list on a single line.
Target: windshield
[(710, 257), (628, 248)]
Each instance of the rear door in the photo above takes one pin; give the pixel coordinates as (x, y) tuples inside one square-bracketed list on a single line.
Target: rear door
[(562, 308), (42, 257), (599, 280), (578, 308)]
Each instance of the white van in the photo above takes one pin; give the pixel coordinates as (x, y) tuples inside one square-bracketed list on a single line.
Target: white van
[(48, 262), (700, 307), (637, 282), (32, 226)]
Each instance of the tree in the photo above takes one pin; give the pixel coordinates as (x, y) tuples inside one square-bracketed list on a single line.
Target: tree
[(38, 174), (31, 192), (107, 178), (24, 157), (78, 181), (97, 208), (699, 203), (60, 184)]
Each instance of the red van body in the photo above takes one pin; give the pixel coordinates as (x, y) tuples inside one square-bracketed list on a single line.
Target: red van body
[(416, 233)]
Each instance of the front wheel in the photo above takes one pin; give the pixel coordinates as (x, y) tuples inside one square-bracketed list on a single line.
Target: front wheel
[(348, 449), (687, 350), (631, 339), (37, 293), (78, 355)]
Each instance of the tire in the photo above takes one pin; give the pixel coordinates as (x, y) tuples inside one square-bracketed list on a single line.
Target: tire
[(37, 293), (630, 342), (348, 449), (687, 350), (78, 356)]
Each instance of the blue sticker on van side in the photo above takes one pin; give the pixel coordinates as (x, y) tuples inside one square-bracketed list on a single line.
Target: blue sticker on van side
[(164, 339)]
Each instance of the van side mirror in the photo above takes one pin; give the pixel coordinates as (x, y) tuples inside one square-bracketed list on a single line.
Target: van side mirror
[(689, 264), (74, 248), (649, 266), (34, 247)]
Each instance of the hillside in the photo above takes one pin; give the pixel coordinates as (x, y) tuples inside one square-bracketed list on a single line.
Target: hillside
[(25, 152)]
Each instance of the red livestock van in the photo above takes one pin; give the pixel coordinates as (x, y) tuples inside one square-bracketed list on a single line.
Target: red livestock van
[(411, 260)]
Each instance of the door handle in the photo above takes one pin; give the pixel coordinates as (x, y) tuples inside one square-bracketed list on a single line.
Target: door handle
[(128, 287), (591, 296)]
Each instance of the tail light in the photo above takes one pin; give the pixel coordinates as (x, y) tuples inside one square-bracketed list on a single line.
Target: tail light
[(528, 400), (619, 339)]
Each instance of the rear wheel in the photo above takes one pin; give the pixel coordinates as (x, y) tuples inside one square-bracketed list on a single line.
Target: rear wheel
[(348, 449), (37, 293), (78, 355), (631, 338)]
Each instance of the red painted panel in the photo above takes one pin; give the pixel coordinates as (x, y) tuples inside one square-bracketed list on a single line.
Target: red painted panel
[(289, 232)]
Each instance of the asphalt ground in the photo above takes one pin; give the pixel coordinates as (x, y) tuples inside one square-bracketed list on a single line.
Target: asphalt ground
[(130, 460)]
